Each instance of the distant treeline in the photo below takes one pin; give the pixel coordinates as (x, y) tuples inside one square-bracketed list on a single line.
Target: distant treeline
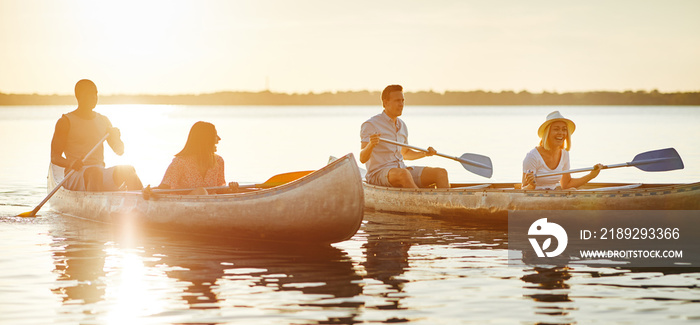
[(372, 98)]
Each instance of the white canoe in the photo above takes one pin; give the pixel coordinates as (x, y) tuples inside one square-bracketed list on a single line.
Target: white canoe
[(493, 201), (325, 206)]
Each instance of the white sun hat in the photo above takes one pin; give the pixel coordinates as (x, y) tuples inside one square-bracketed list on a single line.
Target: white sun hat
[(554, 117)]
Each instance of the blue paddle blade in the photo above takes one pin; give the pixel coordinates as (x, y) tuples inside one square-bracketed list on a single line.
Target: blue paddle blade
[(658, 160), (477, 164)]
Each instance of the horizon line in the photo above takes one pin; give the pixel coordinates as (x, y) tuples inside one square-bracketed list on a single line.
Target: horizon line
[(312, 92)]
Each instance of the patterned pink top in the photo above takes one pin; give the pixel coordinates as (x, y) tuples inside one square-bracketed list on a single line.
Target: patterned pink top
[(183, 173)]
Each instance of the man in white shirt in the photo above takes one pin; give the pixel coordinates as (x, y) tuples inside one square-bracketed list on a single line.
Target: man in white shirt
[(385, 161)]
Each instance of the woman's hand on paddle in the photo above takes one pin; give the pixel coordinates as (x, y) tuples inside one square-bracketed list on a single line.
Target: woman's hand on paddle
[(596, 170), (431, 151), (528, 180)]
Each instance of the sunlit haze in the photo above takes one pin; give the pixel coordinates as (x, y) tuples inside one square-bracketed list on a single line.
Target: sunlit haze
[(178, 46)]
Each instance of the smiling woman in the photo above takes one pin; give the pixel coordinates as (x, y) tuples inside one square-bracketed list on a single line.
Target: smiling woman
[(553, 155)]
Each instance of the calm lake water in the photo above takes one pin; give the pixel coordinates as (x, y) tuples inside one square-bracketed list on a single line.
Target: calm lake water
[(397, 268)]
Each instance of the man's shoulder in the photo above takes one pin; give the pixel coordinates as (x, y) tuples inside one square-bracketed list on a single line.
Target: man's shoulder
[(67, 116), (372, 121), (375, 118), (64, 118), (102, 117)]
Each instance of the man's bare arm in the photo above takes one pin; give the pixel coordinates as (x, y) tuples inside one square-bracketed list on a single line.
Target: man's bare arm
[(368, 147), (58, 143)]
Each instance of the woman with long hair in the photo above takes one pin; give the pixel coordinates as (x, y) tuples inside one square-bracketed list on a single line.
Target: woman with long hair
[(197, 165), (552, 155)]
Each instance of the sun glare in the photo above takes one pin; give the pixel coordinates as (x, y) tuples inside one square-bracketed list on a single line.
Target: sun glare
[(136, 292), (131, 290), (150, 153)]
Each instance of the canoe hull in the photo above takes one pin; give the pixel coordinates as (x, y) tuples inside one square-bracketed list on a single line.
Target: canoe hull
[(494, 201), (323, 207)]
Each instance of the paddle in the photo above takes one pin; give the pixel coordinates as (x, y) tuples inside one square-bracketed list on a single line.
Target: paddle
[(651, 161), (277, 180), (31, 214), (477, 164)]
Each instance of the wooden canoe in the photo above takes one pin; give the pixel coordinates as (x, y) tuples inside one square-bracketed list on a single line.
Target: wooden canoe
[(493, 201), (325, 206)]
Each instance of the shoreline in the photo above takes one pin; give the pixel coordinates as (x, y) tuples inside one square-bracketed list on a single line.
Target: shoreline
[(371, 98)]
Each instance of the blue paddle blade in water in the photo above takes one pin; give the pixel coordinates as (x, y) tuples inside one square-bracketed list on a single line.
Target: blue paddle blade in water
[(658, 160), (477, 164)]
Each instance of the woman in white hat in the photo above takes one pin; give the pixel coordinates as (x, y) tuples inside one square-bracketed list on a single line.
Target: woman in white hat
[(552, 155)]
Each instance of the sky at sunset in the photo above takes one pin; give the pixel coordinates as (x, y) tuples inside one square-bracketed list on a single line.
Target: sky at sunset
[(201, 46)]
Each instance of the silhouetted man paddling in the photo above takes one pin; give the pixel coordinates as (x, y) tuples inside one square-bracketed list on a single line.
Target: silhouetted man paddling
[(76, 134)]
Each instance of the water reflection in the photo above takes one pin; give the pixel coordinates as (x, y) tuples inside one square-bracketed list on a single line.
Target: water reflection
[(391, 237), (81, 265), (320, 271), (387, 258), (118, 274), (395, 269), (552, 290), (123, 275)]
